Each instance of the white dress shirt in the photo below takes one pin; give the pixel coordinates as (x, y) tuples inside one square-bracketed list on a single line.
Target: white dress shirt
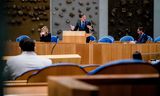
[(24, 62)]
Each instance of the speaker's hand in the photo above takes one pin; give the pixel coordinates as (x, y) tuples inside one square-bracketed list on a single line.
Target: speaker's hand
[(72, 27), (42, 33), (89, 27)]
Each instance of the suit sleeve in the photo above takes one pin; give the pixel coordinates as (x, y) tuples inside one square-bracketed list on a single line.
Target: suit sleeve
[(76, 27), (145, 38), (89, 23)]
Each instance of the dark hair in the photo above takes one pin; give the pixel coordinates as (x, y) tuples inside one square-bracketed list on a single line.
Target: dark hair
[(137, 55), (81, 15), (141, 29), (59, 32), (27, 44)]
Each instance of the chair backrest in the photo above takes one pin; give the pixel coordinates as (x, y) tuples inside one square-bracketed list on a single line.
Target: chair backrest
[(90, 67), (54, 39), (56, 70), (150, 39), (125, 67), (92, 38), (111, 37), (25, 75), (106, 39), (18, 39), (157, 66), (126, 39), (157, 39)]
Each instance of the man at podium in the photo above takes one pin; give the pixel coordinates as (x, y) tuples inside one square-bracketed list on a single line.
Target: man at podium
[(83, 25)]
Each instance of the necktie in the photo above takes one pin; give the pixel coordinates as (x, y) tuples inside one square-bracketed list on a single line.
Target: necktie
[(83, 24), (140, 37)]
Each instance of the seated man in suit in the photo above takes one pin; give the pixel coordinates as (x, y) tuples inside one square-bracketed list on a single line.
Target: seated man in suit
[(83, 25), (27, 60), (142, 36)]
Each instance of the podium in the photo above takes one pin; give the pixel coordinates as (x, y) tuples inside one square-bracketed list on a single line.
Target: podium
[(74, 37)]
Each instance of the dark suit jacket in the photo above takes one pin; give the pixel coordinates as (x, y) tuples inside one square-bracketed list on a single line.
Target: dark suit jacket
[(46, 38), (143, 38), (83, 28)]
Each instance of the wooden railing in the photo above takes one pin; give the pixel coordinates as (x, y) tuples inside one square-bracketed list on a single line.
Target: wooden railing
[(92, 53)]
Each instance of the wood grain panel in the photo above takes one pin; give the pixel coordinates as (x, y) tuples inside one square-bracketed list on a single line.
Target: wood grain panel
[(92, 53)]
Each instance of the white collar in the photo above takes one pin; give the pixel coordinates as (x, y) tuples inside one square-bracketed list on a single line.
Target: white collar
[(29, 53)]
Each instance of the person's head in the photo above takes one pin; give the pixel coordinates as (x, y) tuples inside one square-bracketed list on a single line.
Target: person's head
[(137, 55), (140, 30), (82, 17), (27, 44), (59, 32), (44, 29)]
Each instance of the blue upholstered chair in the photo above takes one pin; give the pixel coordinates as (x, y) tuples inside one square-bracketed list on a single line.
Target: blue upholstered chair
[(89, 67), (126, 39), (157, 39), (66, 69), (157, 66), (92, 38), (25, 75), (106, 39), (54, 39), (18, 39), (150, 39), (125, 67), (111, 37)]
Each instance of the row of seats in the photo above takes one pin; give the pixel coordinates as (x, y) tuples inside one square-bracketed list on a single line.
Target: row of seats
[(53, 38), (110, 39), (116, 67), (104, 39)]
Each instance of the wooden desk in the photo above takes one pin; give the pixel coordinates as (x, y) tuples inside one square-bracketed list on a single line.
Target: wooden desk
[(105, 85), (74, 37), (104, 53), (26, 89), (15, 81), (71, 58), (154, 55), (97, 85), (92, 53)]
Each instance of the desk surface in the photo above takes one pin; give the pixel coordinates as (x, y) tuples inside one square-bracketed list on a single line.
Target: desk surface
[(51, 56), (70, 58)]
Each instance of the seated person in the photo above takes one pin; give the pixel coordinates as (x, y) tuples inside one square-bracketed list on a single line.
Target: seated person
[(27, 60), (45, 35), (142, 36), (59, 34), (137, 55)]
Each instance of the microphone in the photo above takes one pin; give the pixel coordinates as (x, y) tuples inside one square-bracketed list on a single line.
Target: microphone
[(59, 32), (54, 45), (53, 48)]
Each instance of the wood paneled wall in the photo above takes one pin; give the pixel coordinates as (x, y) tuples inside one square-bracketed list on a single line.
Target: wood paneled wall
[(26, 17), (125, 16)]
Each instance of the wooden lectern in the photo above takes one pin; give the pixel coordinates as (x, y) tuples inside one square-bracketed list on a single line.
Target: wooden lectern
[(74, 37)]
